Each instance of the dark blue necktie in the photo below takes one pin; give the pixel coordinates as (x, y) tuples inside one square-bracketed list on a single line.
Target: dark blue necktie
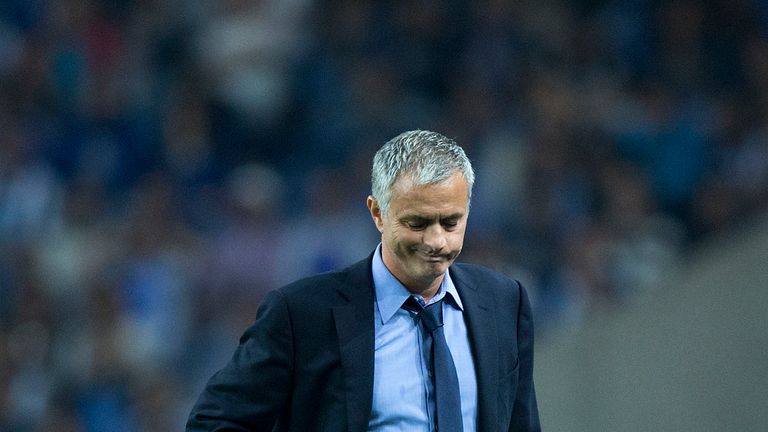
[(447, 397)]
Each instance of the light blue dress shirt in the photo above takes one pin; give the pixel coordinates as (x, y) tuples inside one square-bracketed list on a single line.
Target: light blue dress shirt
[(403, 394)]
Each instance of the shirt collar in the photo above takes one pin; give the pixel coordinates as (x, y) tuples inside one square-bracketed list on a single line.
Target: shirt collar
[(391, 294)]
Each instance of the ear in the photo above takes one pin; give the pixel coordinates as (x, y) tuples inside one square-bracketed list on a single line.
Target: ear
[(373, 207)]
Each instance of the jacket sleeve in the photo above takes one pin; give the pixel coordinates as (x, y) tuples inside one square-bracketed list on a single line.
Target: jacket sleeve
[(525, 414), (250, 392)]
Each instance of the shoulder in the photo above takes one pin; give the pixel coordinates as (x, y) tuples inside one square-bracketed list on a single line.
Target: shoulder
[(488, 283), (307, 306), (326, 286), (483, 276)]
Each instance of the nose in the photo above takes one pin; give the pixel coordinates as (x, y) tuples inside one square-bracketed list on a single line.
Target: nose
[(435, 238)]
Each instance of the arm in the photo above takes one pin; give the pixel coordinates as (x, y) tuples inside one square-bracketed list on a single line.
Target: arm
[(525, 415), (250, 393)]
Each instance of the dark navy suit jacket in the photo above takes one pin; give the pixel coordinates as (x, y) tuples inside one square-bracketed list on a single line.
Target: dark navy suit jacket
[(306, 364)]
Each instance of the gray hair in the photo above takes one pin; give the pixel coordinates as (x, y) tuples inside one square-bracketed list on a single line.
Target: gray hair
[(428, 156)]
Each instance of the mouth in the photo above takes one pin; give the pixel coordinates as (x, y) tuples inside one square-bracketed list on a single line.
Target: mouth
[(433, 258)]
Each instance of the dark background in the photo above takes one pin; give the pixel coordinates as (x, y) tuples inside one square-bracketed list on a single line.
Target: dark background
[(165, 163)]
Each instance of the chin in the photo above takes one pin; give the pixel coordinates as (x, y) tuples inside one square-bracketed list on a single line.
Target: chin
[(434, 271)]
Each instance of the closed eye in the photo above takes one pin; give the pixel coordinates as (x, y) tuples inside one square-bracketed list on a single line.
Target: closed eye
[(450, 223), (416, 225)]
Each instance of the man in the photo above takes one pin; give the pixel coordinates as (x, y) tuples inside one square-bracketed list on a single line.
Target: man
[(354, 350)]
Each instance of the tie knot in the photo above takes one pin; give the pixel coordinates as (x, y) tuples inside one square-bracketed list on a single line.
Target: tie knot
[(431, 315)]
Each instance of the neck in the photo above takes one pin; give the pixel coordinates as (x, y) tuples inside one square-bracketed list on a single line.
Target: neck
[(425, 291)]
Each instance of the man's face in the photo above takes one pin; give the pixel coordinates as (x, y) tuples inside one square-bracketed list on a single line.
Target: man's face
[(423, 232)]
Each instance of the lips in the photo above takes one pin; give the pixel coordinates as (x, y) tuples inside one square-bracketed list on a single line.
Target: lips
[(435, 258)]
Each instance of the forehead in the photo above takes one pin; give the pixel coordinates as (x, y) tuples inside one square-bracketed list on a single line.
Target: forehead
[(450, 195)]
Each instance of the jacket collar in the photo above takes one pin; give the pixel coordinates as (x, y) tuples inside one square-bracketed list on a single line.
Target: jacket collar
[(480, 318), (353, 316)]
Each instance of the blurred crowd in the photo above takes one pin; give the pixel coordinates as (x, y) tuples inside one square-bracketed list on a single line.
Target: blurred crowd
[(164, 163)]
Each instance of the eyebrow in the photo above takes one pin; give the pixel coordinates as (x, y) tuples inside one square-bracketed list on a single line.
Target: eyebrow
[(415, 216)]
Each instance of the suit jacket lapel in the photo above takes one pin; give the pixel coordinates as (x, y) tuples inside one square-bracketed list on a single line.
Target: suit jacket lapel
[(355, 328), (481, 326)]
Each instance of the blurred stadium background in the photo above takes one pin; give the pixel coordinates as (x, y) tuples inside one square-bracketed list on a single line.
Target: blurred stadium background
[(164, 163)]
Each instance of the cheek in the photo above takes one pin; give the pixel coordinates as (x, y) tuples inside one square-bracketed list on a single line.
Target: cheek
[(456, 239), (398, 234), (393, 236)]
